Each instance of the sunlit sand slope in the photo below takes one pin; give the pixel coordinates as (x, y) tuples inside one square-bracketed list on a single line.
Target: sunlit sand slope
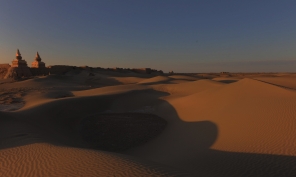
[(157, 79), (244, 128), (251, 116), (188, 88), (288, 81)]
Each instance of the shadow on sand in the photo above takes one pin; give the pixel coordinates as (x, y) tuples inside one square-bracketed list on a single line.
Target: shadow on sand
[(227, 81), (181, 144)]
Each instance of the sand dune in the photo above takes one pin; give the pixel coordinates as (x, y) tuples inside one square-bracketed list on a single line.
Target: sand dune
[(226, 79), (129, 80), (157, 79), (188, 87), (214, 128), (285, 81), (244, 117), (236, 111), (184, 77), (109, 90)]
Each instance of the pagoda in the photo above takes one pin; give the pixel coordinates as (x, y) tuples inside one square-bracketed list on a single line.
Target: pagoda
[(38, 63), (19, 68), (18, 61)]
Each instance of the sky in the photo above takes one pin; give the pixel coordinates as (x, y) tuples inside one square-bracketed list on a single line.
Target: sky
[(179, 35)]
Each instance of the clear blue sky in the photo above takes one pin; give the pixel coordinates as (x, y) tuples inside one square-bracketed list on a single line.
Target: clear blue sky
[(179, 35)]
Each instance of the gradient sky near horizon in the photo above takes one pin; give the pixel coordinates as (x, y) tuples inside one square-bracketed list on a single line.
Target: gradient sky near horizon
[(183, 36)]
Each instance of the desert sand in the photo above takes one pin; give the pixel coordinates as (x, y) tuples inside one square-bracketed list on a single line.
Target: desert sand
[(110, 124)]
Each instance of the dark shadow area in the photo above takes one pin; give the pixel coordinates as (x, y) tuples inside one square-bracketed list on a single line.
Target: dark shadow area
[(15, 132), (227, 81), (158, 82), (66, 82), (153, 83), (232, 164), (4, 81), (122, 73), (72, 81), (59, 94), (120, 131), (57, 122)]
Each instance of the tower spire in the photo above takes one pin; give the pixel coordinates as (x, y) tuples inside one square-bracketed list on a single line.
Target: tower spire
[(37, 58), (18, 53)]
